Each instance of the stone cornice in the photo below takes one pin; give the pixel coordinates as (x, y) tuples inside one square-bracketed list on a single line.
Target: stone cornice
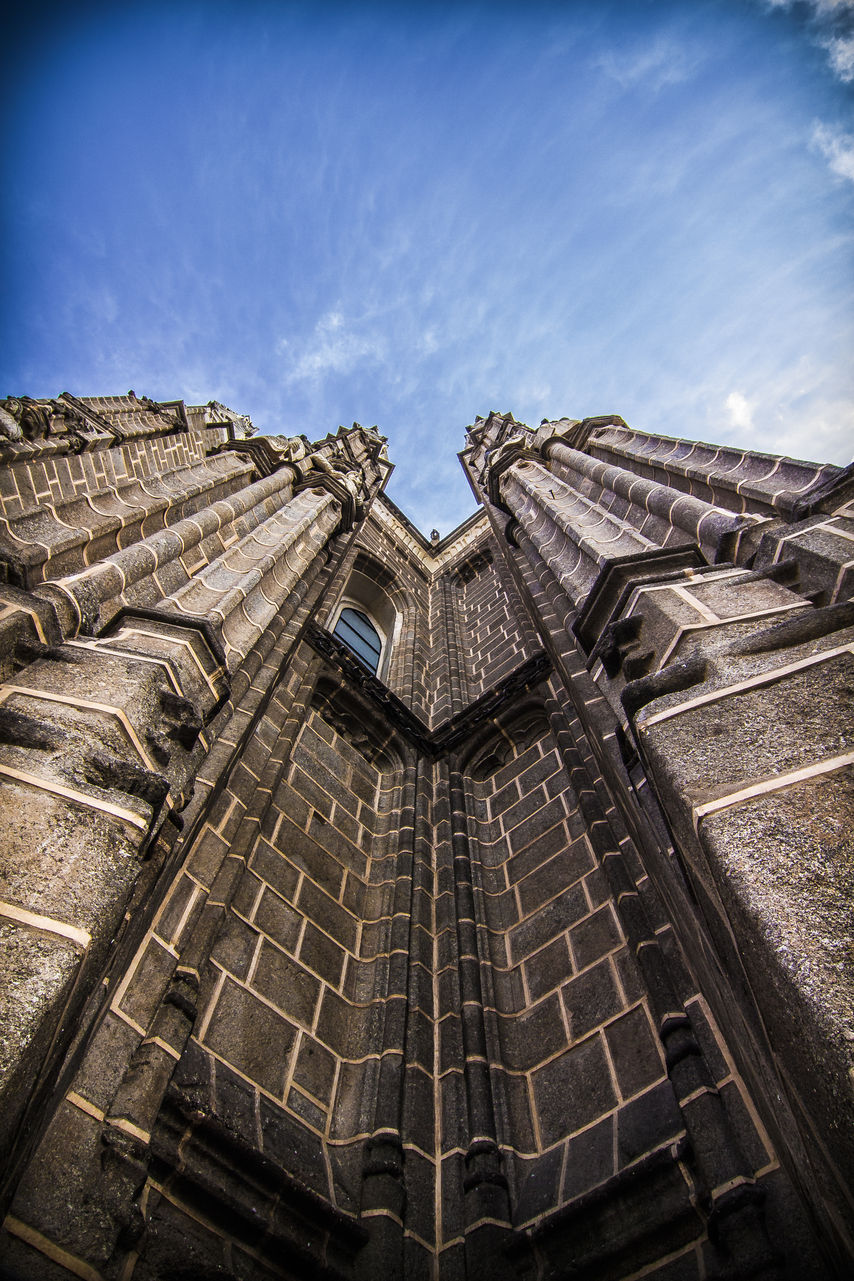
[(350, 505), (573, 432), (451, 733), (433, 560), (265, 456), (513, 452)]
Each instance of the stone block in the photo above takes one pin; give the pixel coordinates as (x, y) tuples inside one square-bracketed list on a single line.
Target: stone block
[(269, 863), (573, 1090), (589, 1159), (194, 1075), (248, 1034), (355, 1093), (453, 1172), (173, 1234), (556, 840), (419, 1175), (279, 920), (149, 981), (419, 1108), (235, 946), (312, 855), (539, 1191), (595, 937), (548, 968), (530, 1036), (749, 1140), (635, 1051), (322, 955), (307, 1110), (546, 923), (650, 1121), (234, 1103), (286, 984), (55, 1194), (319, 907), (315, 1069), (105, 1060), (38, 975)]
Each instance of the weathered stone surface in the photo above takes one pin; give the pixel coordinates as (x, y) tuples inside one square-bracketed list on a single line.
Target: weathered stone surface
[(427, 967)]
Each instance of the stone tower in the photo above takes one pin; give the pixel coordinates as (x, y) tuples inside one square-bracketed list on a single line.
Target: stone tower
[(376, 907)]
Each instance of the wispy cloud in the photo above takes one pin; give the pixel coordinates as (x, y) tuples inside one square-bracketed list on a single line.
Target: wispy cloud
[(655, 65), (804, 411), (336, 346), (832, 26), (837, 148)]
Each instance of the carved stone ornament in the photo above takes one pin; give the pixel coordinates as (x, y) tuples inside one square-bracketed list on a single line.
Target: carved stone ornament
[(497, 463), (22, 418), (33, 419), (9, 425)]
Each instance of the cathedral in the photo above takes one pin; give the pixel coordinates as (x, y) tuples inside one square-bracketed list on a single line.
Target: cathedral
[(377, 907)]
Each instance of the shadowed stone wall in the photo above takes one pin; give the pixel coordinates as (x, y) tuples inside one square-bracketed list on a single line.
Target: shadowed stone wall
[(525, 957)]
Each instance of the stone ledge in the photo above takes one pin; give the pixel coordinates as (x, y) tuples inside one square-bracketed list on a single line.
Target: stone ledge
[(451, 733), (628, 1221)]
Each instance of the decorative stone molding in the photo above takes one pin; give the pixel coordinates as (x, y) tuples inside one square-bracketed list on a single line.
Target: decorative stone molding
[(268, 453), (446, 737), (509, 454), (343, 487)]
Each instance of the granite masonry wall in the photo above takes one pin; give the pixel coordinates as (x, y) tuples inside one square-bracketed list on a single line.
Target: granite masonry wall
[(523, 957)]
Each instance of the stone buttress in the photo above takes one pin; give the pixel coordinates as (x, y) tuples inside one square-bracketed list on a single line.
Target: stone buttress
[(520, 949)]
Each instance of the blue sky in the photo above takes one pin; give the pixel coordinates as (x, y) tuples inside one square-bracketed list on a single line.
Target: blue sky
[(412, 214)]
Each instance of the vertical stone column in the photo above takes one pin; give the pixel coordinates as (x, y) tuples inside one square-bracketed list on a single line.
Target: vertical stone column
[(383, 1200), (734, 687), (74, 532), (562, 610), (88, 600), (584, 515), (456, 658), (664, 514), (740, 480), (487, 1207), (575, 535), (421, 1161), (101, 745)]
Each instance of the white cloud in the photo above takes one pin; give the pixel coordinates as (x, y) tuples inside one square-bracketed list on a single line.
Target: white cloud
[(803, 409), (822, 432), (840, 53), (739, 410), (820, 8), (837, 148), (335, 347), (831, 22)]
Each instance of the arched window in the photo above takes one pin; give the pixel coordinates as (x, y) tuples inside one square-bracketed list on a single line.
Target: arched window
[(355, 630), (367, 619)]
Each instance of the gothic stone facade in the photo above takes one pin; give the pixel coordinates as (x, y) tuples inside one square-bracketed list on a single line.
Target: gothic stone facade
[(525, 955)]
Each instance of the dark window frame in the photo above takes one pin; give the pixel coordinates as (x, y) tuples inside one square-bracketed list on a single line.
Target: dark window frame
[(356, 630)]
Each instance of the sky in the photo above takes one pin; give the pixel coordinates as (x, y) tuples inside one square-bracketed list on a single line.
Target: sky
[(409, 214)]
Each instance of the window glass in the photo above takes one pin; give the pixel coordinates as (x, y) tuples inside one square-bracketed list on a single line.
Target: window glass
[(355, 630)]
